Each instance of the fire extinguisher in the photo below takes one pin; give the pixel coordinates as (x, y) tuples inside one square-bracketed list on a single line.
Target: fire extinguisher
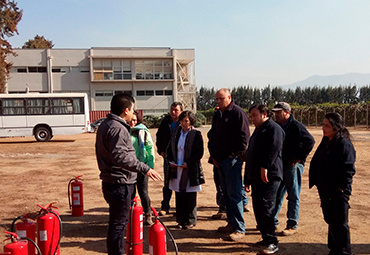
[(134, 235), (157, 237), (26, 228), (49, 230), (18, 247), (75, 190)]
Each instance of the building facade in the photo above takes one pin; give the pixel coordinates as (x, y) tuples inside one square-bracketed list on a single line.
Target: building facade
[(155, 77)]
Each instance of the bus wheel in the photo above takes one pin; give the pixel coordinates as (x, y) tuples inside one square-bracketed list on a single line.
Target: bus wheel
[(43, 134)]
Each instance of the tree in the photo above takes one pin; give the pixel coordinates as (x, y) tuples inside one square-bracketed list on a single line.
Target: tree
[(10, 15), (39, 42), (206, 98)]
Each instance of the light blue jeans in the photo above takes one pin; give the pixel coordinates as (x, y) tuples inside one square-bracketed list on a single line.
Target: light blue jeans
[(292, 182), (230, 173)]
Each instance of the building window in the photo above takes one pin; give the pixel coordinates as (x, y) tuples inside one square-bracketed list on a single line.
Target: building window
[(128, 92), (153, 69), (163, 92), (145, 93), (112, 69), (103, 93), (37, 69), (21, 70), (60, 69)]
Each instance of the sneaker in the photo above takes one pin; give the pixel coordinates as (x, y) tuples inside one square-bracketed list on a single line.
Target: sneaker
[(289, 231), (148, 219), (226, 229), (163, 212), (189, 226), (246, 208), (236, 236), (179, 226), (271, 249), (219, 216)]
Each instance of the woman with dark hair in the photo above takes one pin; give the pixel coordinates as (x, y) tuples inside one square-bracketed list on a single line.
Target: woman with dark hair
[(331, 170), (184, 153), (143, 144)]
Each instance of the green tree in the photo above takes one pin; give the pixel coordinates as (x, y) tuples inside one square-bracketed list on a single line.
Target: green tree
[(277, 94), (39, 42), (10, 15), (266, 95), (206, 98), (364, 94), (257, 96)]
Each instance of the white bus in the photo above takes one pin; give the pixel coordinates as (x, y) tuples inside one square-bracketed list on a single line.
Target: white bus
[(43, 115)]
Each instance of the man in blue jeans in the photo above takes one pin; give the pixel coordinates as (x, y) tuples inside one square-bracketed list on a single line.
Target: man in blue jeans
[(228, 138), (297, 145)]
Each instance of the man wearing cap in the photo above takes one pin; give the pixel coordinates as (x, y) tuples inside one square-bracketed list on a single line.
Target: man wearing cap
[(297, 145)]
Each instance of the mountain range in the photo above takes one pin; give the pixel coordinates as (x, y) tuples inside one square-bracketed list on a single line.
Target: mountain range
[(357, 79)]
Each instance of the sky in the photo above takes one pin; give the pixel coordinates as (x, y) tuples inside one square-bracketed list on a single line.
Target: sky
[(237, 43)]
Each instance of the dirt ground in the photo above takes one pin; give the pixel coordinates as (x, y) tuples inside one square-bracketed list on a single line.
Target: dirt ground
[(34, 173)]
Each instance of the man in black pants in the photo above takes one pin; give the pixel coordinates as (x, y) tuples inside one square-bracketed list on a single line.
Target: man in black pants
[(264, 172), (118, 167)]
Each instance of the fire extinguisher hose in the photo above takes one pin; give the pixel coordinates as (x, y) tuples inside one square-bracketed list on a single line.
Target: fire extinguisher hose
[(12, 229), (171, 236), (34, 244), (69, 193)]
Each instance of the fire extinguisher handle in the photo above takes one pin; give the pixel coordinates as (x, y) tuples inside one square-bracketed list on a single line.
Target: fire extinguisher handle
[(155, 212), (48, 206), (79, 177), (13, 235)]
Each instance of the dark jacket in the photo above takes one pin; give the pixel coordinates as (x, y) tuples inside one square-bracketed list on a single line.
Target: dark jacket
[(164, 134), (229, 133), (332, 167), (115, 154), (265, 150), (193, 154), (298, 142)]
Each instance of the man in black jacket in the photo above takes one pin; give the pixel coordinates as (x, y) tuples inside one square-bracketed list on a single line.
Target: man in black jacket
[(118, 167), (228, 138), (297, 145), (264, 171), (164, 133)]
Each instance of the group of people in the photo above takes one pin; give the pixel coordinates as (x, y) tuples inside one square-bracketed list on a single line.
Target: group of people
[(275, 155)]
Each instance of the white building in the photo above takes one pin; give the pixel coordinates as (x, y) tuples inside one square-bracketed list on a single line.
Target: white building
[(155, 77)]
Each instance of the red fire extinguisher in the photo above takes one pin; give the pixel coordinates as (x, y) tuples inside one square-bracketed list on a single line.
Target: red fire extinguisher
[(157, 237), (134, 235), (49, 230), (75, 190), (27, 228), (17, 246)]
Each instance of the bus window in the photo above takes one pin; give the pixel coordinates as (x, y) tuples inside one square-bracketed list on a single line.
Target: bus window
[(14, 107), (38, 106), (62, 106), (78, 105)]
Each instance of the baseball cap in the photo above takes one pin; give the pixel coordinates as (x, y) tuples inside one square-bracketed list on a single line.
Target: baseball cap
[(282, 106)]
